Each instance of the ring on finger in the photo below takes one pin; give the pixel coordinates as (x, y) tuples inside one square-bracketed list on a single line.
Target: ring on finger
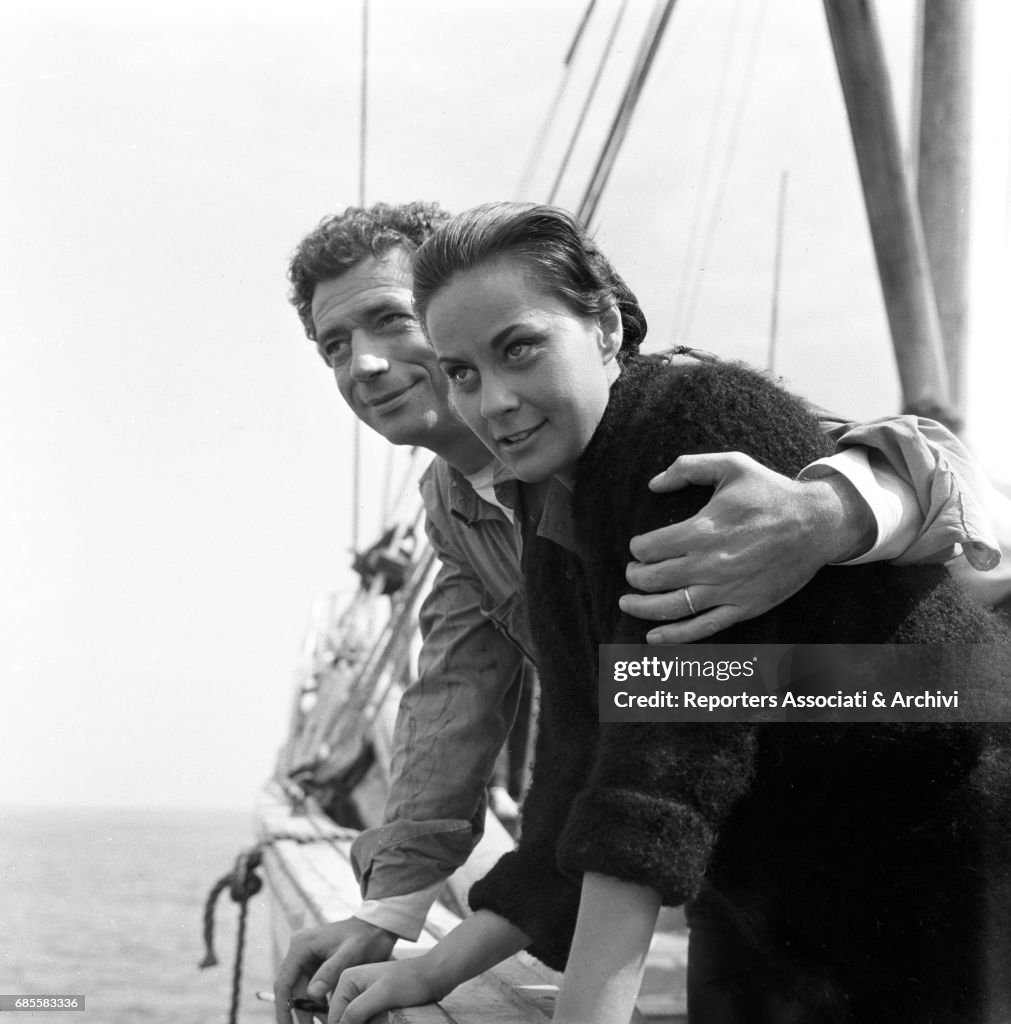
[(688, 601)]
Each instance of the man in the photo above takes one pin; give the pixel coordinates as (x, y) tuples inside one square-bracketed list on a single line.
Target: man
[(759, 540)]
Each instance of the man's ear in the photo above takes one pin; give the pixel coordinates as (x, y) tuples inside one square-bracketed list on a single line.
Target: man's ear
[(611, 333)]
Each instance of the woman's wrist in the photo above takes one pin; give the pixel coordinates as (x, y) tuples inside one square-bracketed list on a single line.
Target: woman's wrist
[(439, 973), (472, 947)]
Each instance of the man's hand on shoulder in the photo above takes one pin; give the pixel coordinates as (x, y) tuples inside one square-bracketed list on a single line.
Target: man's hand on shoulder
[(761, 537), (317, 956)]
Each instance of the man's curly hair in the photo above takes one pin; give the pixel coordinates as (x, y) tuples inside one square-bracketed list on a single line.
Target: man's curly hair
[(343, 239)]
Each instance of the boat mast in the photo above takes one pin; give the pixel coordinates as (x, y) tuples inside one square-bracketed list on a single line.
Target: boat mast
[(896, 229), (942, 119)]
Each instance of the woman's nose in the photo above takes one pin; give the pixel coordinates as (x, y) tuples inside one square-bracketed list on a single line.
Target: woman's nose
[(497, 398)]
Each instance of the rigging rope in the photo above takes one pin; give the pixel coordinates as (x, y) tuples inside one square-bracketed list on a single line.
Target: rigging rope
[(356, 469), (363, 118), (356, 483), (602, 63), (387, 479), (705, 176), (776, 271), (538, 147), (396, 509), (623, 117), (724, 177)]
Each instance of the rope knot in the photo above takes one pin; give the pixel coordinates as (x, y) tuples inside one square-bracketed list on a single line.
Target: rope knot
[(245, 882)]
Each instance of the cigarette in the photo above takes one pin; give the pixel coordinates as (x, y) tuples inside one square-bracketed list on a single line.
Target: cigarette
[(297, 1002)]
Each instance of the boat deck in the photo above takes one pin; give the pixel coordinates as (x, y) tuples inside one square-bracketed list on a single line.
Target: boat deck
[(309, 877)]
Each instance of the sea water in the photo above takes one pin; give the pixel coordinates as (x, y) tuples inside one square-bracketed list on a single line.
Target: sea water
[(109, 904)]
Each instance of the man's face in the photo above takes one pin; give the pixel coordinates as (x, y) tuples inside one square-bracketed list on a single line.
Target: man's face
[(367, 332)]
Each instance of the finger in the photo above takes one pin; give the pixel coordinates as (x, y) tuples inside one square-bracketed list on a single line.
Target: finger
[(297, 965), (363, 1007), (359, 1006), (664, 543), (283, 994), (324, 981), (346, 990), (282, 1015), (696, 469), (671, 606), (664, 575), (303, 1016), (701, 627)]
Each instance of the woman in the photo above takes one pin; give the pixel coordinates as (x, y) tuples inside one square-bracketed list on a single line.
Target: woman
[(538, 336)]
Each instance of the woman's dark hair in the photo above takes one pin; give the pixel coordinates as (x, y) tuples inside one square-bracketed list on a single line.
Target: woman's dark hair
[(548, 242)]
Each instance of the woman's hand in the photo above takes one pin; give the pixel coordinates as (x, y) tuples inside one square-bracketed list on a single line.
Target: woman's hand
[(369, 989), (473, 946)]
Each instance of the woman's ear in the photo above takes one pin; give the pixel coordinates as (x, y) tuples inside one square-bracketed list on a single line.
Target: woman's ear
[(611, 333)]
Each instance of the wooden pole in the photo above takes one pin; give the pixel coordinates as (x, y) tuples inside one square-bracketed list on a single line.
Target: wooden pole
[(895, 225), (943, 170)]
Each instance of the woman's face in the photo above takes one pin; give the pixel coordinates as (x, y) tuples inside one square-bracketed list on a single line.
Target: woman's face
[(528, 375)]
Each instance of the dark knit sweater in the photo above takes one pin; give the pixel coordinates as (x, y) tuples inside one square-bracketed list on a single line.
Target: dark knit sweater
[(669, 805)]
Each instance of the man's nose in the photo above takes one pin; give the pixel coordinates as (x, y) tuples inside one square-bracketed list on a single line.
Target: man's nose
[(367, 361)]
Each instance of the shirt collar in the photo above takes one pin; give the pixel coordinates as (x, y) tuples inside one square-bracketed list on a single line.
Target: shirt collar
[(556, 517), (467, 505), (555, 523)]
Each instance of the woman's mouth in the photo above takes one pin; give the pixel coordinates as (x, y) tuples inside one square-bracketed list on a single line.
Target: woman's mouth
[(518, 439)]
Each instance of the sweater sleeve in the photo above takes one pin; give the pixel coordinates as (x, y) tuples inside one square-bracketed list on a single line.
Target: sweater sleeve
[(527, 888), (651, 809)]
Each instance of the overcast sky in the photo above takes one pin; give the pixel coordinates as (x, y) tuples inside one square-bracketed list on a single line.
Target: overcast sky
[(175, 459)]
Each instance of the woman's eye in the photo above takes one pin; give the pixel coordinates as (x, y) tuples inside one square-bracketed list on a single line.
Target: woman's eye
[(461, 375), (517, 350)]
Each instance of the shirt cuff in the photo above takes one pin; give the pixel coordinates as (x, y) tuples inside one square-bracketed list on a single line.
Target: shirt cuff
[(891, 500), (403, 915)]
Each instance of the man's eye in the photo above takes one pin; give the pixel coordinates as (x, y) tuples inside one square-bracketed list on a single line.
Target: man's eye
[(396, 320), (336, 352)]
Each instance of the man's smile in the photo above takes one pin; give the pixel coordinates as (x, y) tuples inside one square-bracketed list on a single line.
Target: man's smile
[(389, 399)]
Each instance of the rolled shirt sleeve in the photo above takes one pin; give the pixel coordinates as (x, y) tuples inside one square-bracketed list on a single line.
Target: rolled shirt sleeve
[(891, 500), (403, 915), (945, 481)]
